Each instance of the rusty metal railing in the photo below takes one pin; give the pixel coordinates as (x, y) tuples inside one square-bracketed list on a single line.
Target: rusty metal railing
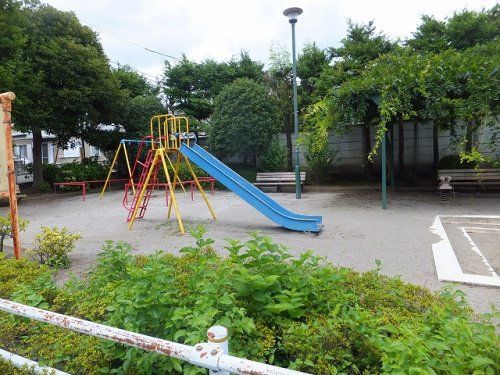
[(210, 355)]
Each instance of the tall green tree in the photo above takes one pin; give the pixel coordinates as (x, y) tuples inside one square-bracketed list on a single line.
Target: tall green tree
[(279, 79), (191, 87), (464, 29), (62, 79), (311, 63), (139, 101), (244, 121), (358, 49)]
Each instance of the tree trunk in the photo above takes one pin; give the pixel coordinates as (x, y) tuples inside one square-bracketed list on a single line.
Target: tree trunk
[(415, 145), (401, 147), (469, 132), (37, 157), (367, 146), (289, 145), (83, 149), (435, 146)]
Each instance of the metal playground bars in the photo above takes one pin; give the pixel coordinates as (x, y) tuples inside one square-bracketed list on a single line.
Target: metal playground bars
[(158, 151), (211, 355)]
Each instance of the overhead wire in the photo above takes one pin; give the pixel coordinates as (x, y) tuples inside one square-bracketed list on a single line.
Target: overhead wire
[(132, 42)]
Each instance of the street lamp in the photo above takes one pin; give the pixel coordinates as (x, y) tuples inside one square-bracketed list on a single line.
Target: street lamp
[(293, 14)]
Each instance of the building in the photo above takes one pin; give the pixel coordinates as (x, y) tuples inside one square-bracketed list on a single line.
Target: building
[(74, 151)]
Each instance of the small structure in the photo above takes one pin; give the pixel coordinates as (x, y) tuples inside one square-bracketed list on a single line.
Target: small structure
[(8, 185)]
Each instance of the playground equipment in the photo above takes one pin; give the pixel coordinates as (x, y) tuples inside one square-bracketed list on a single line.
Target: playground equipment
[(171, 144), (8, 185), (167, 132)]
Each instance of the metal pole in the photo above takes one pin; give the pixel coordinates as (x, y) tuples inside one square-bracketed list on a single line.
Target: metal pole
[(23, 363), (384, 172), (6, 100), (391, 153), (295, 114)]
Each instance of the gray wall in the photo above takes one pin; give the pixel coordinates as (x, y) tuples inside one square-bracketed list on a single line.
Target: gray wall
[(350, 156)]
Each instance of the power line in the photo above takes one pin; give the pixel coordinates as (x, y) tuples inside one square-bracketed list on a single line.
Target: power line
[(132, 42), (118, 64)]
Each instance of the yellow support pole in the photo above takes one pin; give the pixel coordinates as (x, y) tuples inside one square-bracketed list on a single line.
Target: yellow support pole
[(176, 173), (172, 193), (205, 198), (176, 177), (143, 189), (131, 178), (111, 170)]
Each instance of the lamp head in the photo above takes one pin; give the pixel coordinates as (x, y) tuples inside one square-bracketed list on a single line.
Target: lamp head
[(292, 14)]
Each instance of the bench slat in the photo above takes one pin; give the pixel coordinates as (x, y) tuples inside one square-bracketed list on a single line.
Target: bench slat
[(446, 171)]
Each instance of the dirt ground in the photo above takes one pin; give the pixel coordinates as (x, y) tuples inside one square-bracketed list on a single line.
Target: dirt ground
[(356, 233)]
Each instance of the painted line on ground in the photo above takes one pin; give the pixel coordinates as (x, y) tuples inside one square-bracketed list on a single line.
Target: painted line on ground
[(447, 266)]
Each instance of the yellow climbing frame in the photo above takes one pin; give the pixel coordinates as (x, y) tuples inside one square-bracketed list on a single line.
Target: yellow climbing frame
[(167, 133)]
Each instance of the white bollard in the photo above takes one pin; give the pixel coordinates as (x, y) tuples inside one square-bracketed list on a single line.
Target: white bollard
[(218, 342)]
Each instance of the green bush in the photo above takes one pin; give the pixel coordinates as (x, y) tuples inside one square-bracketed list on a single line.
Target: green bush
[(52, 246), (454, 162), (87, 170), (297, 312), (319, 155), (274, 159), (6, 228), (184, 173)]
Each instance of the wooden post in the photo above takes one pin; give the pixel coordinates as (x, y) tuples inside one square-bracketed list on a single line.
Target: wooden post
[(6, 104)]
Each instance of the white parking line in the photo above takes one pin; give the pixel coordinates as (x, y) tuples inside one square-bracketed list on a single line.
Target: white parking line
[(447, 265), (477, 251)]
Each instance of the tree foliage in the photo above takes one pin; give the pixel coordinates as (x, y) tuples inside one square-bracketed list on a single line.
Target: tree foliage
[(453, 83), (191, 87), (244, 120), (60, 74)]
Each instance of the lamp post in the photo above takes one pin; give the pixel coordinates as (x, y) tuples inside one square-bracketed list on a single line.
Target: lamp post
[(293, 14)]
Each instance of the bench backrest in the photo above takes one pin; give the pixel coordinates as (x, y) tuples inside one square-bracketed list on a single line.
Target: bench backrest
[(469, 176), (279, 176)]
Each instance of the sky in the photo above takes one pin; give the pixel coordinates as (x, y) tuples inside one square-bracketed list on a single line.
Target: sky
[(220, 29)]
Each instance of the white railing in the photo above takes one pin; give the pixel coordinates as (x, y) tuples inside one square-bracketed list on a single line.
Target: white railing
[(30, 365), (210, 355)]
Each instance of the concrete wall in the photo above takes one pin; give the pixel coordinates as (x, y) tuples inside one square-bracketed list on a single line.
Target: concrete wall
[(350, 156)]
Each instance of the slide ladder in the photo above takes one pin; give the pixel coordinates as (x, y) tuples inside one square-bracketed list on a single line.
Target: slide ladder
[(146, 166)]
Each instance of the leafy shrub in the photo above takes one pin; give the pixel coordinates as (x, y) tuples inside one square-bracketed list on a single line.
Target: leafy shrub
[(14, 273), (297, 312), (319, 155), (87, 170), (184, 173), (8, 368), (274, 159), (454, 162), (41, 187), (6, 228), (53, 245)]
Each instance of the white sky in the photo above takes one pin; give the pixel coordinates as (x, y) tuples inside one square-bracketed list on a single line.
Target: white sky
[(220, 29)]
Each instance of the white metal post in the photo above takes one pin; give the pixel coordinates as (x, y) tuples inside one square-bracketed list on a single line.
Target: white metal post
[(218, 340)]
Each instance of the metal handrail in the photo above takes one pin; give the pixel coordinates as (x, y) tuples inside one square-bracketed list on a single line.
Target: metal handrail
[(209, 355)]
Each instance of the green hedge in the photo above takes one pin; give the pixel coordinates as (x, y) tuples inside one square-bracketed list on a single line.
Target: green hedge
[(293, 312), (87, 170)]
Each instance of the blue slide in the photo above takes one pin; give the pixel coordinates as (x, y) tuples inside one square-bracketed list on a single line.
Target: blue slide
[(249, 193)]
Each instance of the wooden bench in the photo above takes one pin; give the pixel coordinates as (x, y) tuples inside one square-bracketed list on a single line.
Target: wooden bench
[(449, 179), (278, 179)]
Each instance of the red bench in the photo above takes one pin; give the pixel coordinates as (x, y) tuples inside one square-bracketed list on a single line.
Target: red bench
[(83, 184)]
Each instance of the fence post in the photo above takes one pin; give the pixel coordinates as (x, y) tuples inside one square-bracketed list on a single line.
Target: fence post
[(217, 337)]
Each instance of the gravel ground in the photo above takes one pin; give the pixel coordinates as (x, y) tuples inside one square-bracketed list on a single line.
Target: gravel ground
[(356, 233)]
